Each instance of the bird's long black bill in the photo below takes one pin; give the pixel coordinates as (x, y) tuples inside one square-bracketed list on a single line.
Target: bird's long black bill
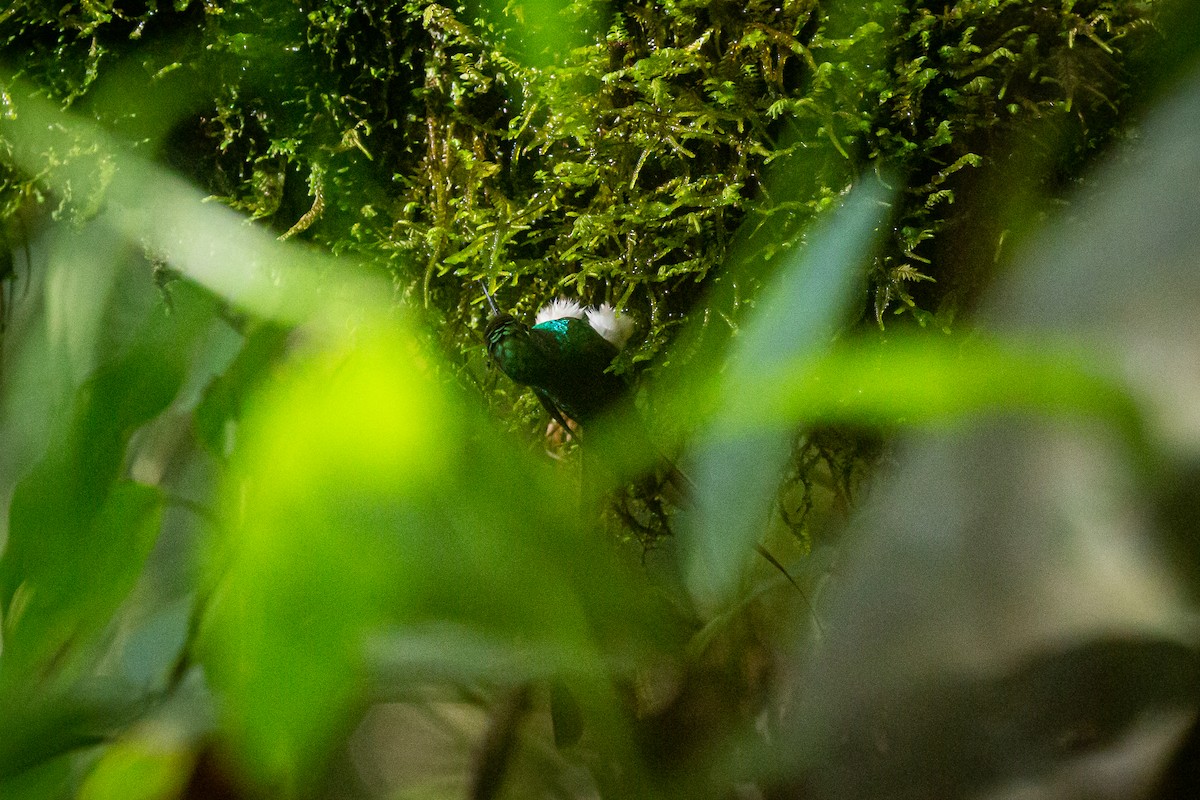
[(488, 295)]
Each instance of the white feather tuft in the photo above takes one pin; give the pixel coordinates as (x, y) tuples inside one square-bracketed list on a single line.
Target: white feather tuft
[(557, 309), (617, 328)]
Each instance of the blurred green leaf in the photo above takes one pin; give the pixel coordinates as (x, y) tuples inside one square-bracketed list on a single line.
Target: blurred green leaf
[(139, 768), (796, 319), (37, 730), (79, 533), (358, 500), (226, 396), (167, 216), (337, 458), (545, 32), (68, 570), (922, 380), (49, 780)]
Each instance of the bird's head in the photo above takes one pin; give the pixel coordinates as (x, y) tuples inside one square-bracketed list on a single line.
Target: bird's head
[(500, 328)]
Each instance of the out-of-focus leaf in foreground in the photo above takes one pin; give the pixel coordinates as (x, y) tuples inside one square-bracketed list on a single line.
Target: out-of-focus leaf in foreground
[(79, 532), (362, 497), (797, 317), (169, 218), (911, 380), (138, 769), (309, 567), (1006, 621)]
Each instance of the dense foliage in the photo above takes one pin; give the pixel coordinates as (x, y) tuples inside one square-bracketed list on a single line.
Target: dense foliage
[(618, 164), (264, 495)]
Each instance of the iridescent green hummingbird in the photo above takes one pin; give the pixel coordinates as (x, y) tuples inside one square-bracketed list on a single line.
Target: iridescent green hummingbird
[(564, 357)]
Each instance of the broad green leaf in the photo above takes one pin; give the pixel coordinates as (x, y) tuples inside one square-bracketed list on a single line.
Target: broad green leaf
[(67, 584), (338, 458), (796, 319), (147, 768), (362, 499), (48, 780), (38, 729), (923, 380), (205, 242), (78, 533)]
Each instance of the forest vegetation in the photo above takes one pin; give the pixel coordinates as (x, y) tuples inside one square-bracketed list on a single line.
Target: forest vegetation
[(911, 292)]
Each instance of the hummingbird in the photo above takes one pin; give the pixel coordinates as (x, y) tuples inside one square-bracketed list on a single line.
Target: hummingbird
[(564, 357)]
